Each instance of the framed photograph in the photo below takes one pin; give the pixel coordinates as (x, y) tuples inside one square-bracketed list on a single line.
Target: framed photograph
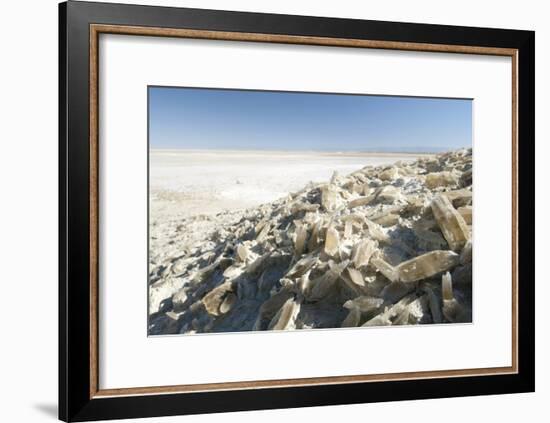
[(267, 211)]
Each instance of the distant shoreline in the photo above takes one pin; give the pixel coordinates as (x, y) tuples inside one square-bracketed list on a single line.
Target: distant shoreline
[(290, 152)]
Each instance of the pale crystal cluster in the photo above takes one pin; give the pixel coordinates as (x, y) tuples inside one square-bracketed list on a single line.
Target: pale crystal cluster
[(386, 245)]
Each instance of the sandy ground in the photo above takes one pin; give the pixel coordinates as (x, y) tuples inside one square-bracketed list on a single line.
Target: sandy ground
[(187, 183)]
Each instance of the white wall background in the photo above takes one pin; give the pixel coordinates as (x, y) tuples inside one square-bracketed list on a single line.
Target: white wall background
[(28, 209)]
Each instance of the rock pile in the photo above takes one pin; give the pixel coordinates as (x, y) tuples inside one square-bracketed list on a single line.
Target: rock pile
[(386, 245)]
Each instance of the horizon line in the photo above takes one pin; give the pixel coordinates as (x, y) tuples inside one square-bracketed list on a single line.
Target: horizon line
[(372, 151)]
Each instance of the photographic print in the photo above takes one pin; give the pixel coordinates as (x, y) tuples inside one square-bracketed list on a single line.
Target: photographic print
[(273, 210)]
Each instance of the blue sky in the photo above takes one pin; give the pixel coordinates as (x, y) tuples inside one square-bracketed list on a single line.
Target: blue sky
[(198, 118)]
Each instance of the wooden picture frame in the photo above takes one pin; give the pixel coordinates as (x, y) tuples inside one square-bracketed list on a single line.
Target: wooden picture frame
[(80, 397)]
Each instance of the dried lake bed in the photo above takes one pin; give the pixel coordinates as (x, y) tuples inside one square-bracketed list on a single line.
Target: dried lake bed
[(186, 183)]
